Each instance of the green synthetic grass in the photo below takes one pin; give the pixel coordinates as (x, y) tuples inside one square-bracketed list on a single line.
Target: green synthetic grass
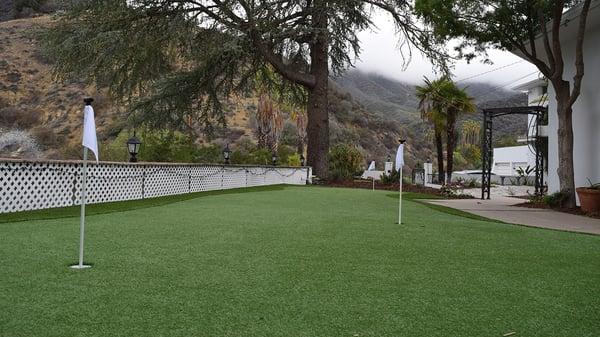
[(111, 207), (295, 261)]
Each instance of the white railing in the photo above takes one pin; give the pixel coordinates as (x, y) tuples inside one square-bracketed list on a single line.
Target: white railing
[(29, 185)]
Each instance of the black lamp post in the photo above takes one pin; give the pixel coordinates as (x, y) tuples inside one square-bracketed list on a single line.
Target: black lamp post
[(133, 146), (274, 158), (226, 154), (302, 160)]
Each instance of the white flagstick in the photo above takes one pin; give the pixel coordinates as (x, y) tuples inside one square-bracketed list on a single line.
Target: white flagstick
[(399, 164), (400, 199), (82, 219), (372, 168), (89, 139)]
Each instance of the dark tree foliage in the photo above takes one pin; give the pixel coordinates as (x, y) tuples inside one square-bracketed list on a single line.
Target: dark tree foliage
[(531, 28), (176, 61)]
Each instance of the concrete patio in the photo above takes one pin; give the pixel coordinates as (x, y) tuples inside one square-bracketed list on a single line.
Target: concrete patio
[(502, 208)]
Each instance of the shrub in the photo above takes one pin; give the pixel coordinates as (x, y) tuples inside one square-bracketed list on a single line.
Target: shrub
[(463, 183), (16, 118), (209, 154), (467, 156), (452, 192), (392, 178), (556, 200), (166, 146), (523, 173), (248, 153), (472, 183), (115, 150), (536, 199), (344, 162), (289, 134), (157, 146), (294, 160), (284, 153)]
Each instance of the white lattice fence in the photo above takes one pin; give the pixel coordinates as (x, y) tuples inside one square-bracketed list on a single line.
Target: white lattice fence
[(29, 185)]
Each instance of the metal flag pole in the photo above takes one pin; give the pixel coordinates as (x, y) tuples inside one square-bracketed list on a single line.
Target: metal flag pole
[(82, 219), (399, 165), (80, 265), (400, 199)]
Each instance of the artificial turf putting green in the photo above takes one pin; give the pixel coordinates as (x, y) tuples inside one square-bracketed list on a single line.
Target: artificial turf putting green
[(296, 261)]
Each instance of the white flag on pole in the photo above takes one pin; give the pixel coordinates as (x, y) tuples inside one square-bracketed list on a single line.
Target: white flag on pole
[(371, 166), (89, 130), (400, 157)]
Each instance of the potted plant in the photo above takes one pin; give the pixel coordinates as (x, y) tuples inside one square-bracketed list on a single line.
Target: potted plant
[(589, 197)]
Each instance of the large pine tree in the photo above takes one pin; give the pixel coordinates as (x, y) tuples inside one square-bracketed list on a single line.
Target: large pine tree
[(178, 59)]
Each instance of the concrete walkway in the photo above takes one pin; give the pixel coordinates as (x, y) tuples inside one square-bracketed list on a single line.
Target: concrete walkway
[(501, 208)]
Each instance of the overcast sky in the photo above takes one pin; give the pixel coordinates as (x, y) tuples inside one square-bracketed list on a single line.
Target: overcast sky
[(380, 54)]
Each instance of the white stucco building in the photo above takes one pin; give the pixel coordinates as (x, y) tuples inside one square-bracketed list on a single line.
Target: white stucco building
[(508, 159), (586, 111)]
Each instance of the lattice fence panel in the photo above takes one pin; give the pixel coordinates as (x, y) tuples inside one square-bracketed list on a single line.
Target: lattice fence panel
[(234, 177), (294, 176), (112, 182), (166, 180), (256, 176), (207, 178), (28, 185), (272, 177)]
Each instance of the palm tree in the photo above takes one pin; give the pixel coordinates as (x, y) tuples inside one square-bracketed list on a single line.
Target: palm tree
[(441, 102), (299, 116), (432, 111), (269, 122), (471, 133), (456, 101)]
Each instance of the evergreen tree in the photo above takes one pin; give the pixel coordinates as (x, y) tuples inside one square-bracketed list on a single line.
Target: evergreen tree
[(177, 60)]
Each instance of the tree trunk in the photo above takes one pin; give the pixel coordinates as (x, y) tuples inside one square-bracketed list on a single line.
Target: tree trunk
[(450, 145), (566, 172), (318, 103), (439, 146), (262, 143), (300, 147)]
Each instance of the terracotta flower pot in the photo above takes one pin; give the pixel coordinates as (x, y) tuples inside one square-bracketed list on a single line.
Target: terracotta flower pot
[(589, 199)]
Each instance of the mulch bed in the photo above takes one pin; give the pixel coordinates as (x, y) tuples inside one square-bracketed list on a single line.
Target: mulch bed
[(575, 211), (368, 184)]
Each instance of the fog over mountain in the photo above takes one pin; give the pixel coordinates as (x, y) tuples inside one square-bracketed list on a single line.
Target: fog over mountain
[(396, 100)]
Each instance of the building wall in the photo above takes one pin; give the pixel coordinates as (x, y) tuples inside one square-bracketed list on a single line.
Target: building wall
[(535, 97), (508, 159), (586, 114)]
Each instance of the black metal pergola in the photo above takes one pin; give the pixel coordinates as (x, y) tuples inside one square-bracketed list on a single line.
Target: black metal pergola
[(487, 149)]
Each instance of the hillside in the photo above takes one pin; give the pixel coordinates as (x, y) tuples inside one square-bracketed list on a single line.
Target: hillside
[(367, 110), (395, 100), (30, 98)]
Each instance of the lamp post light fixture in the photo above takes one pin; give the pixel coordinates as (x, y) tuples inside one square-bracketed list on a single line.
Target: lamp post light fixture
[(302, 160), (133, 146), (274, 158), (226, 154)]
